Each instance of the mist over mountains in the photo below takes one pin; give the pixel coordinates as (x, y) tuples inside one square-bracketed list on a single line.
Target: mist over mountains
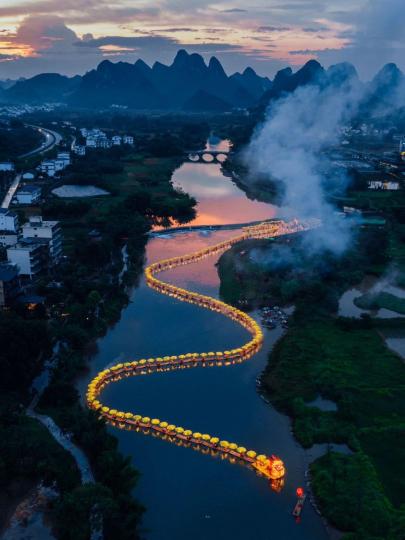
[(189, 84)]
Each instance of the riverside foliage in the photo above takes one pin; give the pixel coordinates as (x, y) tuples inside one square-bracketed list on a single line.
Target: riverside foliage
[(339, 359)]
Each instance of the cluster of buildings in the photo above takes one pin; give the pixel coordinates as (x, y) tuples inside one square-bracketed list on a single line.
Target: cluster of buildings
[(31, 249), (34, 246), (363, 130), (15, 111), (96, 138), (383, 185), (51, 167)]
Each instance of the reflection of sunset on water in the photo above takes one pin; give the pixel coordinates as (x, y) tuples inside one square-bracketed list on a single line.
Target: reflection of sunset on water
[(232, 210), (202, 275), (220, 201)]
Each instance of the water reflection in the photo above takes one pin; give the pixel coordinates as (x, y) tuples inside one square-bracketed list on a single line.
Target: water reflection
[(220, 201)]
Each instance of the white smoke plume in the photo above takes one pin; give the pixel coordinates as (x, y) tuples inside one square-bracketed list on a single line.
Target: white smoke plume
[(289, 148)]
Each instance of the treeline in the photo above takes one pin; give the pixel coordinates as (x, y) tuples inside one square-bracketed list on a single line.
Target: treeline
[(83, 296), (115, 476), (338, 359), (288, 271)]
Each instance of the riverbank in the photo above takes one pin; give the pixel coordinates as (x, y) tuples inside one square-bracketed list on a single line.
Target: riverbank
[(256, 188), (341, 360), (83, 296)]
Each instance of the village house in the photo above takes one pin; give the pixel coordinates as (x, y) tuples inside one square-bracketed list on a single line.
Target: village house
[(128, 139), (36, 227), (28, 195), (30, 255), (8, 220)]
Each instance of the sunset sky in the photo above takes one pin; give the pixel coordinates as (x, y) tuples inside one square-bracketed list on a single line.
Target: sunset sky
[(73, 36)]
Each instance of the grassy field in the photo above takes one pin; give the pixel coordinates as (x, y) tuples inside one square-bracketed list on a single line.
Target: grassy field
[(354, 368)]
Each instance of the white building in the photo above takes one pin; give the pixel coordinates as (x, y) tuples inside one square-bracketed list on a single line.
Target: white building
[(103, 143), (128, 139), (29, 255), (116, 140), (6, 166), (91, 142), (28, 195), (59, 164), (79, 149), (50, 230), (52, 166), (48, 167), (387, 186), (8, 238), (8, 220), (64, 157)]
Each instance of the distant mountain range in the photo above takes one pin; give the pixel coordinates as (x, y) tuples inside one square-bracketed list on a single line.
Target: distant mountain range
[(385, 90), (189, 84)]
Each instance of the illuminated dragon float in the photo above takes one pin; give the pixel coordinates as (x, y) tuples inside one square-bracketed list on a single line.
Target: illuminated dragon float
[(271, 467)]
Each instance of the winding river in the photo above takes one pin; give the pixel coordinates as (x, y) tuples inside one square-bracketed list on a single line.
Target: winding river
[(186, 493)]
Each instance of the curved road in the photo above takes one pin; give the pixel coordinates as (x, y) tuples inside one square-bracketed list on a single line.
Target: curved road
[(52, 138)]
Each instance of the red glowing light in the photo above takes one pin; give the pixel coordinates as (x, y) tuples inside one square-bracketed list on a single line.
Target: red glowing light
[(300, 492)]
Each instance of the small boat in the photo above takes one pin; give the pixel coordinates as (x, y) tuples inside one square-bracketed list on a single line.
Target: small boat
[(300, 503), (269, 323)]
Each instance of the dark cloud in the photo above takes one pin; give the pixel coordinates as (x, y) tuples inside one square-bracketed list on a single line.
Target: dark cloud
[(215, 30), (180, 29), (132, 42), (234, 10), (310, 30), (300, 6), (311, 52), (79, 11), (7, 57), (273, 28)]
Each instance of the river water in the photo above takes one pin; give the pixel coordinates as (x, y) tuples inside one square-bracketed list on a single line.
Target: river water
[(188, 494)]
